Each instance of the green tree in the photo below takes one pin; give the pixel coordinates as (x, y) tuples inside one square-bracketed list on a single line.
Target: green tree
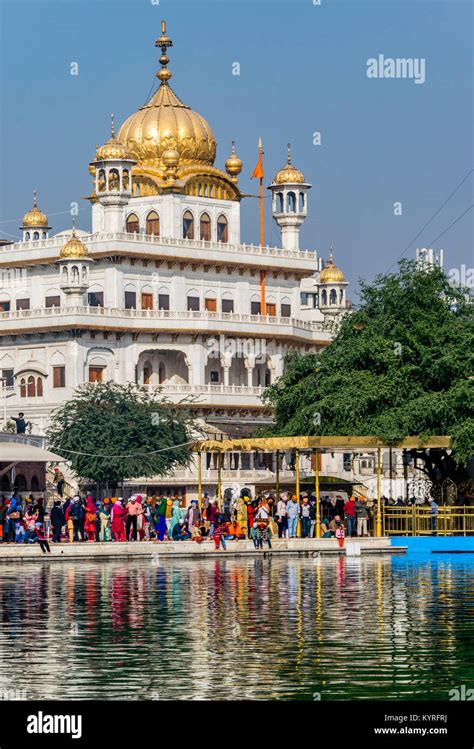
[(401, 364), (111, 432)]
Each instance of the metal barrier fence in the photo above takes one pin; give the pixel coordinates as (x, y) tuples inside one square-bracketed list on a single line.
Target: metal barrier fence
[(418, 521)]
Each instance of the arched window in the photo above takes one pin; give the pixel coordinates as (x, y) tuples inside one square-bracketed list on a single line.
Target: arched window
[(222, 229), (125, 179), (22, 388), (324, 298), (301, 201), (39, 387), (114, 180), (153, 224), (333, 296), (279, 202), (20, 483), (161, 373), (132, 226), (147, 372), (34, 484), (27, 236), (101, 180), (291, 202), (31, 389), (341, 295), (36, 235), (43, 236), (205, 227), (188, 225)]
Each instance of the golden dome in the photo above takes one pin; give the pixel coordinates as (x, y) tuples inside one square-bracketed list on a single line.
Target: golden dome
[(288, 174), (34, 217), (331, 273), (74, 248), (164, 123), (233, 165)]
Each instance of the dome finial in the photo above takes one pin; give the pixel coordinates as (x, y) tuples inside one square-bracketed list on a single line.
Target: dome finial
[(73, 226), (331, 254), (112, 125), (34, 198), (289, 153), (163, 42)]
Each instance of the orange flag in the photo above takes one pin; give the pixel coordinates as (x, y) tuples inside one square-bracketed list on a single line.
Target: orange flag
[(258, 171)]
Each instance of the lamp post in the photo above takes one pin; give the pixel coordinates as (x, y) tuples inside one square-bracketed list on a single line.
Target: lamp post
[(378, 531)]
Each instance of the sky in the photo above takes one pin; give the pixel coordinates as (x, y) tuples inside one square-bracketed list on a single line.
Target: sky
[(391, 151)]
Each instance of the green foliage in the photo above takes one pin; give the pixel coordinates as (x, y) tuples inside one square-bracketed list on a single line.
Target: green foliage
[(104, 420), (400, 365)]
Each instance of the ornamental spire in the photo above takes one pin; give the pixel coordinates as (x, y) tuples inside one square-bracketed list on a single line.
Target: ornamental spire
[(163, 42), (112, 125)]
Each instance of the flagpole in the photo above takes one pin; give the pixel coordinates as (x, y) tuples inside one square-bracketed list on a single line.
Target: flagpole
[(262, 230)]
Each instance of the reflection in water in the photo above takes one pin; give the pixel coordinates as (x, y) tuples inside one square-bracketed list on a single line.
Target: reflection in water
[(255, 628)]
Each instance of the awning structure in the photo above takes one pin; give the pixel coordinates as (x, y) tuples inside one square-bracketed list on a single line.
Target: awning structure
[(307, 443), (16, 452), (315, 444)]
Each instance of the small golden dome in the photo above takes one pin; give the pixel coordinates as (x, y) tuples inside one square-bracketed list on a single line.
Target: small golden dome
[(74, 248), (112, 150), (233, 165), (331, 273), (289, 174), (164, 123), (34, 217)]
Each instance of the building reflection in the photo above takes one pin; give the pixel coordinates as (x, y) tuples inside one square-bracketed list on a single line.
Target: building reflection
[(252, 628)]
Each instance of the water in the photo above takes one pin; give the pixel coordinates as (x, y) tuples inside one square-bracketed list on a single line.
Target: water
[(373, 627)]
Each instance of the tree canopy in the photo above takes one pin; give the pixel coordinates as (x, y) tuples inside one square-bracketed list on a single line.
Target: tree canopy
[(401, 364), (111, 432)]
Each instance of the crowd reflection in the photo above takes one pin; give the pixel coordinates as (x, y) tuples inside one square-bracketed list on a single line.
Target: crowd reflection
[(257, 628)]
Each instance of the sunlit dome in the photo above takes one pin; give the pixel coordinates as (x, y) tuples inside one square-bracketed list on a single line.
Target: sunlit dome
[(289, 174), (331, 273), (164, 123), (73, 248), (34, 218)]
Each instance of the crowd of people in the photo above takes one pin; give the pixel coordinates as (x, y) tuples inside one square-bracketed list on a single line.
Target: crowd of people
[(141, 518)]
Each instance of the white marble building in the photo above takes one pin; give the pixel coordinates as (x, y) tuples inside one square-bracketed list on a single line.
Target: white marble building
[(161, 291)]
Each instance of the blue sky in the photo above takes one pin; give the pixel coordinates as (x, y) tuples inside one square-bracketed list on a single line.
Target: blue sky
[(302, 70)]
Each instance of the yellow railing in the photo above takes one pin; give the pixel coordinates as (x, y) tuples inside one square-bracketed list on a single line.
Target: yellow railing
[(417, 521)]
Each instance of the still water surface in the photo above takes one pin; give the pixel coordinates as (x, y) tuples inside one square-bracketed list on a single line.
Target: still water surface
[(376, 627)]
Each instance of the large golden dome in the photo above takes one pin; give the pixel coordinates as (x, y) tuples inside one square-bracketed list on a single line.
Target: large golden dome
[(34, 218), (164, 123), (331, 273)]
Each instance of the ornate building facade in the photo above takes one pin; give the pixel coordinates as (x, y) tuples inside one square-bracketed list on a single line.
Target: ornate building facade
[(161, 291)]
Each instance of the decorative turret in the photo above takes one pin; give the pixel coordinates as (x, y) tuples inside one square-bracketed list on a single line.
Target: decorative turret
[(289, 202), (35, 223), (74, 264), (332, 288), (113, 180)]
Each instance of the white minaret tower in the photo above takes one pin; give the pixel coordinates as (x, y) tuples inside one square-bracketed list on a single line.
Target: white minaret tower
[(332, 289), (113, 184), (74, 264), (289, 203)]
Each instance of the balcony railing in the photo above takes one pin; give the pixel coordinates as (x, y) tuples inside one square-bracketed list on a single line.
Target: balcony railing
[(210, 388), (116, 312), (222, 247)]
